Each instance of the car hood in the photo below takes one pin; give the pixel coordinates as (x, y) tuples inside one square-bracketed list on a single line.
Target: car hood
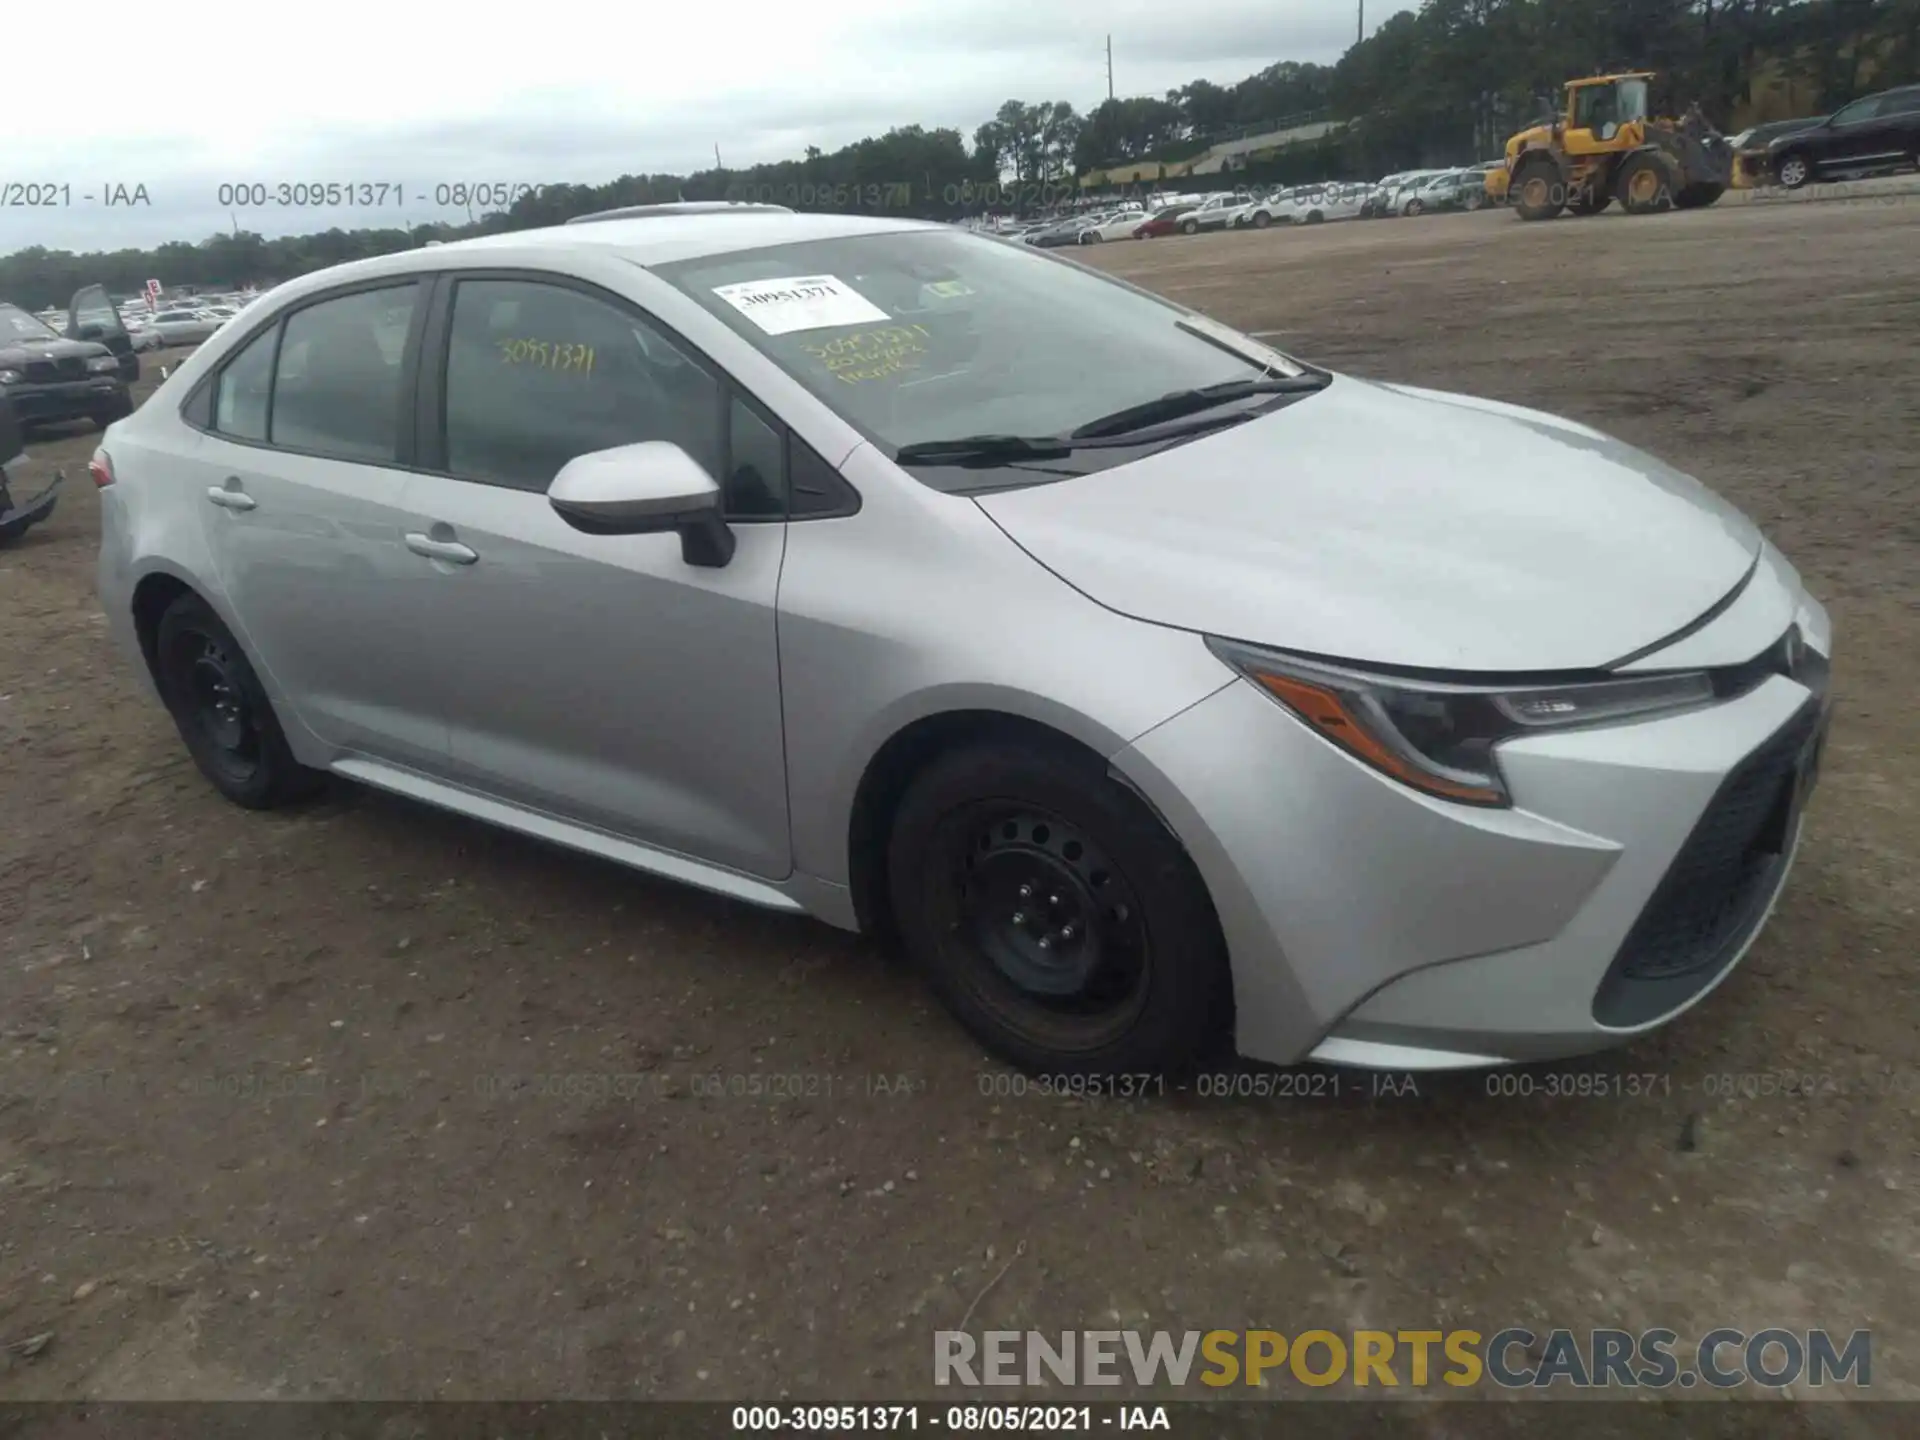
[(1391, 525), (19, 352)]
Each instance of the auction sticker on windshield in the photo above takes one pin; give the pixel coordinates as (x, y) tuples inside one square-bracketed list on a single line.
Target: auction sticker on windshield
[(800, 302)]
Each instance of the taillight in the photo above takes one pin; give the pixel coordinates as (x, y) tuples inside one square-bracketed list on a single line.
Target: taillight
[(101, 469)]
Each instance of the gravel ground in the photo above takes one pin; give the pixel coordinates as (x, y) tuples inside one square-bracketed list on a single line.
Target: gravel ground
[(278, 1115)]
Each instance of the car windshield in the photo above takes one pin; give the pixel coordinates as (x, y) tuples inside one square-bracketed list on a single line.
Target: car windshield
[(17, 324), (930, 335)]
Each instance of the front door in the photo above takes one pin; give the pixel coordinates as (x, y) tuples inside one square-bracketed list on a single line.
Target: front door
[(300, 498), (598, 678), (93, 316)]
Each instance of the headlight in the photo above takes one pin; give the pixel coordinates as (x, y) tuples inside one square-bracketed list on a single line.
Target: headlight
[(102, 364), (1440, 737), (9, 377)]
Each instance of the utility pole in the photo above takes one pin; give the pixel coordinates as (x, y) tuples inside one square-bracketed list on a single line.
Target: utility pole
[(1110, 67), (1360, 26)]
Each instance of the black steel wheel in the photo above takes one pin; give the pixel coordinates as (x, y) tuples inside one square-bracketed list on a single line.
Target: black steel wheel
[(221, 710), (1054, 913)]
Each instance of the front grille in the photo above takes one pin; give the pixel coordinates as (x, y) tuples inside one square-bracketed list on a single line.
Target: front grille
[(46, 372), (1725, 875)]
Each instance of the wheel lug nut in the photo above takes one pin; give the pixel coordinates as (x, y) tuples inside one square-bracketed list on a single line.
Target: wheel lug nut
[(1053, 899), (1019, 917), (1045, 944), (1026, 892), (1066, 932)]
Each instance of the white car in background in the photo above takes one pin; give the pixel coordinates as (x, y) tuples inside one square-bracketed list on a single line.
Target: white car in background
[(143, 335), (1259, 212), (183, 326), (1115, 225), (1215, 212), (1331, 200), (1392, 193)]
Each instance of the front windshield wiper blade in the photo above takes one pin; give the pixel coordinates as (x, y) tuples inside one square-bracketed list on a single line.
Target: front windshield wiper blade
[(1178, 403), (998, 449), (964, 448)]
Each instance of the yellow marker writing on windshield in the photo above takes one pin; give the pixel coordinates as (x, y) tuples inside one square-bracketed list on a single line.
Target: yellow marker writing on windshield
[(547, 354)]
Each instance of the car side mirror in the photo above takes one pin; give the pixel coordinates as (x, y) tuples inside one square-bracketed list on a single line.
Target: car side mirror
[(645, 489)]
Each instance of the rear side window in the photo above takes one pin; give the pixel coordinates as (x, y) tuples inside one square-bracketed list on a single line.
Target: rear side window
[(337, 387), (240, 397)]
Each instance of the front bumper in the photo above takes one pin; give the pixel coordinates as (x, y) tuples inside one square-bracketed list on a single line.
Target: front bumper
[(55, 401), (1368, 924)]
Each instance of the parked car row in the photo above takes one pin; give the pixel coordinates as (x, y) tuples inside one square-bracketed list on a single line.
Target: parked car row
[(1413, 192)]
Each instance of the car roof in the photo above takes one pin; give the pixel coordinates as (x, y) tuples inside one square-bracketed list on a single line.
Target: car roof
[(645, 239)]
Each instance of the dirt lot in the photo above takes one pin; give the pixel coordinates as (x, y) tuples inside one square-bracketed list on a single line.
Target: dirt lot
[(271, 1114)]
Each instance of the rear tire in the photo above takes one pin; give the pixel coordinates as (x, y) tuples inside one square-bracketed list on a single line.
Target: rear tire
[(1262, 220), (1190, 227), (222, 711), (1054, 915), (1698, 195)]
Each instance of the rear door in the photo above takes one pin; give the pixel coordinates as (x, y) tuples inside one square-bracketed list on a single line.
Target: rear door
[(92, 315), (1902, 112), (310, 424), (1862, 135)]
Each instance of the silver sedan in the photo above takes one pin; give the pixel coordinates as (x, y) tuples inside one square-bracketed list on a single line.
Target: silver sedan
[(1145, 684)]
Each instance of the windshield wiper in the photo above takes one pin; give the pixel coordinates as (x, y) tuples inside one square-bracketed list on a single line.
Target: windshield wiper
[(963, 449), (996, 449), (1178, 403)]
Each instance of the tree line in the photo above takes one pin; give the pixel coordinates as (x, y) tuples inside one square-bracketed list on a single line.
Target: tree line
[(1443, 84)]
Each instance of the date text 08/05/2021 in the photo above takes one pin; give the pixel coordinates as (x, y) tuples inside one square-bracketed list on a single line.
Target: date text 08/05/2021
[(64, 194), (373, 194), (959, 1419)]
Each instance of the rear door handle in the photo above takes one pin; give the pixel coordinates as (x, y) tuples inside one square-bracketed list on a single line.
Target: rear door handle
[(452, 551), (230, 496)]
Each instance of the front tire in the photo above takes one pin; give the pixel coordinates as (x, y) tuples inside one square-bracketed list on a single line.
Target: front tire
[(1792, 170), (1054, 915), (1190, 227), (1537, 191), (1262, 220), (222, 711)]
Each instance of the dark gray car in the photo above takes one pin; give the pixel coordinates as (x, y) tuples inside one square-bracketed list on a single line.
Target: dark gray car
[(48, 379)]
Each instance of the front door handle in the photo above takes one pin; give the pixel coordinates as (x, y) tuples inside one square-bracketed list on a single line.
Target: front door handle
[(230, 496), (452, 551)]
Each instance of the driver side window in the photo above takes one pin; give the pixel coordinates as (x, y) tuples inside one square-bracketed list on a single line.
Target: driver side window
[(539, 373)]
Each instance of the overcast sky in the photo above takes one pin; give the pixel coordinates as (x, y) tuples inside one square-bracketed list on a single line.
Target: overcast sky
[(179, 98)]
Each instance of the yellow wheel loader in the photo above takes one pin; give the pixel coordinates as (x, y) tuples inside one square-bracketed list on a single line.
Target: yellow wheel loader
[(1605, 147)]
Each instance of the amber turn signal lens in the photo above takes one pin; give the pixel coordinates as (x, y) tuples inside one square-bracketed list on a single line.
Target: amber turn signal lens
[(1329, 713)]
